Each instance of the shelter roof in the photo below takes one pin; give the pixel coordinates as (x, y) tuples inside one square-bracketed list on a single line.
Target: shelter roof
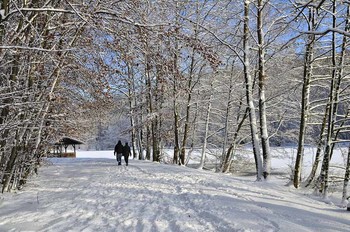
[(68, 141)]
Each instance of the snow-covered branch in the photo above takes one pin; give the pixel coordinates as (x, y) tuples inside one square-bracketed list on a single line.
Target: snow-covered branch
[(43, 9), (34, 48), (328, 30)]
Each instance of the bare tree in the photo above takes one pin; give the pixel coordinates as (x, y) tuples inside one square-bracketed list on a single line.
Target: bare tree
[(305, 106), (262, 86), (249, 92)]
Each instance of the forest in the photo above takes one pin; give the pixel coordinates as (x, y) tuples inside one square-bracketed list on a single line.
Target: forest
[(179, 74)]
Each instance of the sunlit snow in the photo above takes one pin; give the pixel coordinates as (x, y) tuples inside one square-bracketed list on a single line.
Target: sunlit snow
[(94, 194)]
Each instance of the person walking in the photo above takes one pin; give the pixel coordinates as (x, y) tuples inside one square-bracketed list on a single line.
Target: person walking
[(118, 151), (126, 153)]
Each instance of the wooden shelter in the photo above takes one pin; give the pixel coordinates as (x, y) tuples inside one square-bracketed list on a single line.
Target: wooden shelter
[(62, 145)]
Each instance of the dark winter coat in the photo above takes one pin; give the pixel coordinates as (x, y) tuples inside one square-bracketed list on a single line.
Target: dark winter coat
[(126, 150), (118, 148)]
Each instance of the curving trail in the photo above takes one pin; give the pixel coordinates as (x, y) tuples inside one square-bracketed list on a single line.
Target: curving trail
[(97, 195)]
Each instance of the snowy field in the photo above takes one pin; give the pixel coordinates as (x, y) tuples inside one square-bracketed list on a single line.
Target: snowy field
[(283, 158), (94, 194)]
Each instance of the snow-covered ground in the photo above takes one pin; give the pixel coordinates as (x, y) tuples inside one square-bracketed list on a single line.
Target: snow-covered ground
[(94, 194)]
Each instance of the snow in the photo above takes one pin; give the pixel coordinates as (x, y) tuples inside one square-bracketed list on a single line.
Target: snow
[(2, 14), (95, 194)]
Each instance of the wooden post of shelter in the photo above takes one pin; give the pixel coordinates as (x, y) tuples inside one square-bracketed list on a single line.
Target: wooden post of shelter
[(65, 142)]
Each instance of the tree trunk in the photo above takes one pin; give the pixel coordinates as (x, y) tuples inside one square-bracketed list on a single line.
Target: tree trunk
[(249, 93), (140, 131), (265, 143), (320, 143), (207, 120), (13, 73), (175, 76), (10, 168), (4, 7), (131, 98), (227, 115), (148, 143), (176, 114), (140, 142), (228, 157), (149, 98), (156, 122), (155, 141), (331, 113), (305, 105), (188, 111), (176, 134), (346, 180), (337, 77)]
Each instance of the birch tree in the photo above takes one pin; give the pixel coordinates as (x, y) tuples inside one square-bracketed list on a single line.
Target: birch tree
[(262, 85), (249, 92), (207, 122), (305, 106), (333, 126)]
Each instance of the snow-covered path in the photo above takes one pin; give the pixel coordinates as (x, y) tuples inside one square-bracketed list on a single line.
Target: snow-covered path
[(97, 195)]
